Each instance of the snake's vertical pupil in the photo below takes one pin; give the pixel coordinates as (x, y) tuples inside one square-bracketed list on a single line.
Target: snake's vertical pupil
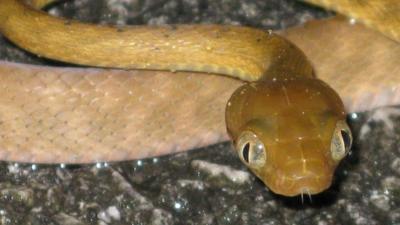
[(245, 152), (251, 150), (346, 139)]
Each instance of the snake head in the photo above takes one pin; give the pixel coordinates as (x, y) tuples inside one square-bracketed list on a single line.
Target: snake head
[(291, 134)]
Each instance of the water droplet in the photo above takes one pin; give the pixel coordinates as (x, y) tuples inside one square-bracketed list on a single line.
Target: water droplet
[(177, 205), (354, 116), (34, 167)]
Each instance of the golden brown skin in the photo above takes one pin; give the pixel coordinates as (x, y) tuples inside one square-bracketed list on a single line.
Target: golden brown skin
[(381, 15), (288, 126), (150, 47), (292, 133), (174, 111), (365, 73)]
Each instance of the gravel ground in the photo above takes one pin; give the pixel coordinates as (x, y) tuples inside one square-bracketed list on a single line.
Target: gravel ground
[(202, 186)]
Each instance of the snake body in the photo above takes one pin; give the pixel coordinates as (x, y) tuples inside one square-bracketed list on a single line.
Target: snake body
[(288, 127)]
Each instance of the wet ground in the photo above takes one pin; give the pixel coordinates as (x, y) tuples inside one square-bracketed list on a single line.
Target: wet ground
[(202, 186)]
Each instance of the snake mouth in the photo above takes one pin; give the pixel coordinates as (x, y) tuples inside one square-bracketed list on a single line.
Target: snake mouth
[(308, 185), (300, 178)]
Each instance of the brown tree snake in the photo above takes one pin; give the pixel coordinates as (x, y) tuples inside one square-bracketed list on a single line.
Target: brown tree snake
[(287, 126)]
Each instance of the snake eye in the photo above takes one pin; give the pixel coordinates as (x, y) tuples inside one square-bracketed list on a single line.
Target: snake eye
[(341, 141), (251, 150)]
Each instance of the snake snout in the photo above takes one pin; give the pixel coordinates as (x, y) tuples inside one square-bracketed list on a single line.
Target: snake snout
[(303, 177)]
